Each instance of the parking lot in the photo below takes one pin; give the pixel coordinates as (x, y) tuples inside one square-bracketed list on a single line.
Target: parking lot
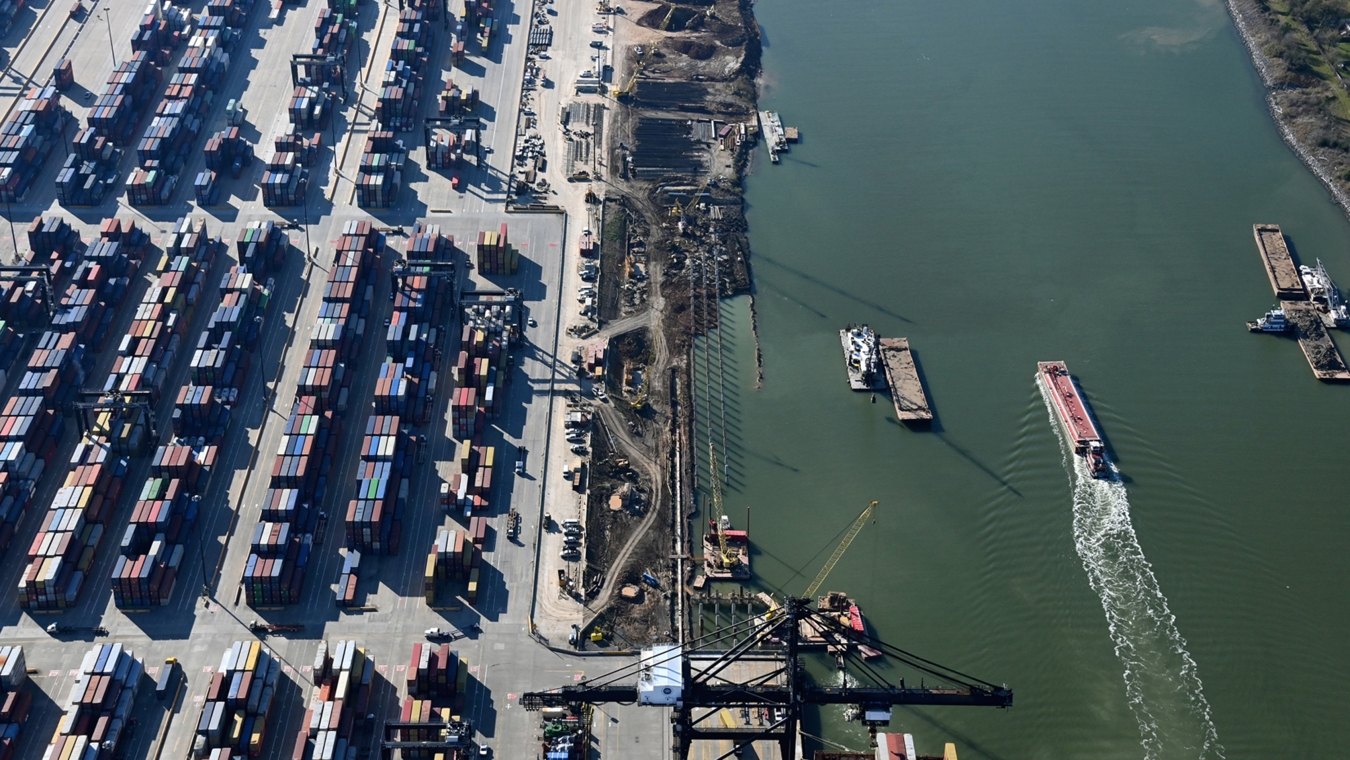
[(504, 633)]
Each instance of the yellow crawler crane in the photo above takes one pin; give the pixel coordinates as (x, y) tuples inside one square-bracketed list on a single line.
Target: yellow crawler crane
[(726, 558)]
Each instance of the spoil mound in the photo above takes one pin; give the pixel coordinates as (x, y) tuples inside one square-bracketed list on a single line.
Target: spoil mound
[(699, 51), (681, 19)]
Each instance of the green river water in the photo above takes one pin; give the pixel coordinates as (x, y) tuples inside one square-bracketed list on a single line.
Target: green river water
[(1007, 182)]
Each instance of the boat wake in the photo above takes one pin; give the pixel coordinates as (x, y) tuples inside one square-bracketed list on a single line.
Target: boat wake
[(1162, 680)]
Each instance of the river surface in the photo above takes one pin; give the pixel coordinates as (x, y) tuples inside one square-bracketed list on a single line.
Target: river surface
[(1007, 182)]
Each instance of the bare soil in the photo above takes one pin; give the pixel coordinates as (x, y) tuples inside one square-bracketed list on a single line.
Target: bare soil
[(687, 226)]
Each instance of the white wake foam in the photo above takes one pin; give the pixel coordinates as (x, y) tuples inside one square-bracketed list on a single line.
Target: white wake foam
[(1162, 681)]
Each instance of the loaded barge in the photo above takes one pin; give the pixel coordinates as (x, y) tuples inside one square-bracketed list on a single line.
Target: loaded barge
[(845, 611), (1072, 412), (1308, 314), (902, 374)]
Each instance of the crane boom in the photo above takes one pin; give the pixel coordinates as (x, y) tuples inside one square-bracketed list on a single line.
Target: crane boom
[(725, 556), (853, 531)]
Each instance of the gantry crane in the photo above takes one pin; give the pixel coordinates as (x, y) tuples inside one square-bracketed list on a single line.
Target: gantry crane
[(697, 694), (853, 531)]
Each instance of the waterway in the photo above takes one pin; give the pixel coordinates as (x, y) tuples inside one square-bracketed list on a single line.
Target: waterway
[(1007, 182)]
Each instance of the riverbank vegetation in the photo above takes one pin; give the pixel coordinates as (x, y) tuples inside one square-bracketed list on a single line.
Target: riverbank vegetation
[(1306, 47)]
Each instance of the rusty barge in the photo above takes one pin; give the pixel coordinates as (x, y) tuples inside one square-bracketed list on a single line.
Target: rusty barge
[(1072, 412)]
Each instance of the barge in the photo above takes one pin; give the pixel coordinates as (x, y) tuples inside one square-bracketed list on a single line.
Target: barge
[(1309, 301), (861, 358), (736, 564), (1279, 262), (902, 375), (844, 610), (1072, 412), (775, 136)]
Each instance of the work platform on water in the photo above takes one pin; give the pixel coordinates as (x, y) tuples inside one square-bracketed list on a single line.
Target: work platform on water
[(1302, 312), (902, 374), (776, 136)]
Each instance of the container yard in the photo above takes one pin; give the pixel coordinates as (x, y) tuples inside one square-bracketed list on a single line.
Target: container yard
[(206, 401), (15, 699)]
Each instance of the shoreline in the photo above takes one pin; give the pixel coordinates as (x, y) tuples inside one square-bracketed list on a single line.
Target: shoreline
[(1244, 17)]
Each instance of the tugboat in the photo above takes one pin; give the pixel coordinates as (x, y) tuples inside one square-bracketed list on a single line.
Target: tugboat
[(1273, 321), (862, 358)]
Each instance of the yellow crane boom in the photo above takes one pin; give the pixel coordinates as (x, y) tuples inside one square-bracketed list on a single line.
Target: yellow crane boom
[(852, 533), (726, 557)]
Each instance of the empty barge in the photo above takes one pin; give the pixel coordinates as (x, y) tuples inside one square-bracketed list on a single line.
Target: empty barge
[(1072, 412)]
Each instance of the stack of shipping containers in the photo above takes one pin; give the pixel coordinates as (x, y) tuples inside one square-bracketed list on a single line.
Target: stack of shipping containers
[(495, 254), (99, 708), (436, 682), (275, 570), (382, 486), (238, 698), (92, 281), (26, 139), (338, 705), (381, 173), (180, 472), (284, 181), (455, 555), (167, 505), (169, 138), (15, 699), (345, 593)]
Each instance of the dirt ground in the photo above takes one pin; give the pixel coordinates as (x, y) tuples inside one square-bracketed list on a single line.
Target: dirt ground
[(687, 72)]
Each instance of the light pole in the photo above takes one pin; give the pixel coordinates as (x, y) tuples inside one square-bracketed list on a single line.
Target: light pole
[(9, 217), (108, 22)]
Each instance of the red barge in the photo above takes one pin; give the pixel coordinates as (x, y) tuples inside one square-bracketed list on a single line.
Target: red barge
[(1072, 411)]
